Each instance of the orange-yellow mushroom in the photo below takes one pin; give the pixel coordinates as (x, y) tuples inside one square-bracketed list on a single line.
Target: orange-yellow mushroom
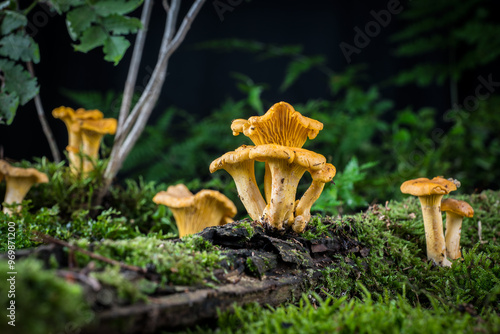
[(303, 208), (92, 132), (241, 168), (455, 212), (193, 213), (430, 193), (286, 165), (19, 181)]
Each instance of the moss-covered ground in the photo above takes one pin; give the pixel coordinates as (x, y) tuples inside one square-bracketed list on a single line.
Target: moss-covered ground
[(391, 288)]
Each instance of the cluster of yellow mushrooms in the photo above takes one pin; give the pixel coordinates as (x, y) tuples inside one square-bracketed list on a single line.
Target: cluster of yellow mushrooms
[(278, 137), (85, 131), (440, 246)]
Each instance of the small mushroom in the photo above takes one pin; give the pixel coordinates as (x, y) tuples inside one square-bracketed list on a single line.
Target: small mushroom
[(430, 193), (241, 168), (19, 182), (92, 132), (193, 213), (286, 165), (455, 212), (303, 208), (71, 119)]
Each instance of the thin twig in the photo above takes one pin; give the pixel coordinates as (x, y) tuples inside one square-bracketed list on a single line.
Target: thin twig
[(128, 92), (43, 121), (50, 239), (137, 119)]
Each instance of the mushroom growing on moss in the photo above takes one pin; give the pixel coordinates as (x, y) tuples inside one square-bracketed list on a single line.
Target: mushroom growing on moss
[(72, 120), (303, 208), (286, 165), (281, 125), (430, 193), (92, 132), (19, 181), (455, 212), (241, 168), (193, 213)]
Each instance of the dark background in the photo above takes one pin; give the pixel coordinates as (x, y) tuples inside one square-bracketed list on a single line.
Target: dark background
[(200, 80)]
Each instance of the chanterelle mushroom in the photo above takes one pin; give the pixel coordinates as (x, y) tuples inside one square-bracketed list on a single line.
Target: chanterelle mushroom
[(71, 119), (455, 212), (280, 125), (430, 193), (19, 182), (92, 133), (241, 168), (303, 209), (286, 165), (193, 213)]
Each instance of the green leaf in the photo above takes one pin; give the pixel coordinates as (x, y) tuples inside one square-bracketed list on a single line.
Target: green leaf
[(91, 38), (11, 21), (62, 6), (18, 81), (297, 67), (114, 48), (78, 20), (8, 107), (19, 47), (121, 25), (119, 7)]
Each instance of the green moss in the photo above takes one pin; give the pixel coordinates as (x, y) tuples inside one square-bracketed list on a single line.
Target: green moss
[(127, 291), (44, 302), (189, 261)]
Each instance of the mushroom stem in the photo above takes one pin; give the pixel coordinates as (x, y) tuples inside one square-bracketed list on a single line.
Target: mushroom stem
[(303, 209), (16, 194), (433, 225), (285, 178), (248, 191), (452, 236)]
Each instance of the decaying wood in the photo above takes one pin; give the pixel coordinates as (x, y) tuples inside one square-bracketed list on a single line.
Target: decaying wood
[(283, 268)]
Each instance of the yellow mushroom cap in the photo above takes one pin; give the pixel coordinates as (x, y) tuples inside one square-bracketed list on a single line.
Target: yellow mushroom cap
[(193, 213), (83, 114), (425, 187), (302, 157), (458, 207), (241, 154), (17, 172), (100, 126), (281, 125), (325, 174)]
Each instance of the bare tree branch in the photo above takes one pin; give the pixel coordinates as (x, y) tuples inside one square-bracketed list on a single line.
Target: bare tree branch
[(135, 62), (137, 119), (43, 121)]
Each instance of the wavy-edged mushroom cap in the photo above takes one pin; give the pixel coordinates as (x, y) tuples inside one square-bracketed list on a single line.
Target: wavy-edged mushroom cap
[(19, 182), (457, 207), (92, 131), (281, 125), (241, 168), (83, 114), (300, 156), (193, 213), (425, 187)]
